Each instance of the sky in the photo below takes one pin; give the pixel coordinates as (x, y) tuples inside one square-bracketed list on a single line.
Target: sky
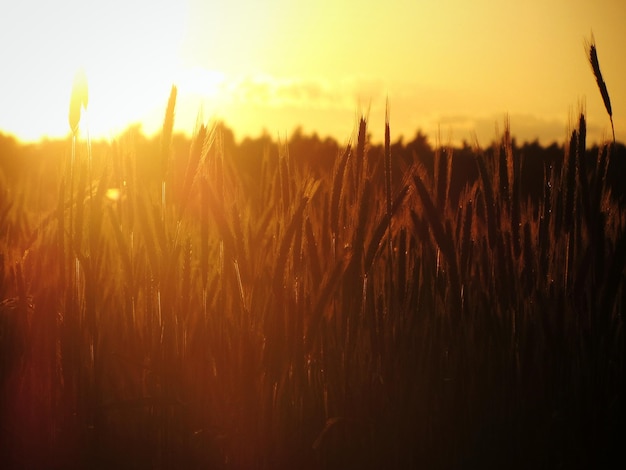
[(453, 69)]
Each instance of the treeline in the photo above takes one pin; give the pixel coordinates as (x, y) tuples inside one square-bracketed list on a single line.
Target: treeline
[(310, 153)]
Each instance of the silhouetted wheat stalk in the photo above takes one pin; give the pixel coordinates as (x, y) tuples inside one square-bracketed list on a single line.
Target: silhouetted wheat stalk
[(592, 55)]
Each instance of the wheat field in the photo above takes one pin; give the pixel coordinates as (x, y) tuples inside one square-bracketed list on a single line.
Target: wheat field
[(162, 308)]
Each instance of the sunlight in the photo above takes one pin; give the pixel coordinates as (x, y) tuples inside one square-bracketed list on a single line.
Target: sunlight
[(309, 65), (131, 62), (129, 51), (201, 82)]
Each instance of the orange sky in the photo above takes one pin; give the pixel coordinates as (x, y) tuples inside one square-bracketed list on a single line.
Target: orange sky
[(453, 66)]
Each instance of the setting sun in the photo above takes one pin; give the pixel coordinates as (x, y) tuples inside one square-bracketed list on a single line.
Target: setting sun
[(130, 52)]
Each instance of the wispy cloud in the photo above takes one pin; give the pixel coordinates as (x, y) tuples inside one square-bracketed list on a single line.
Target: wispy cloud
[(524, 127), (271, 91), (286, 92)]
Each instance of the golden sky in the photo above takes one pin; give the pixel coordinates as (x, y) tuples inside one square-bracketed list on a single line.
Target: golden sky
[(451, 67)]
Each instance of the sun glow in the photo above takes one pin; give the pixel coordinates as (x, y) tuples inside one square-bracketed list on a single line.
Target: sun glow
[(129, 51), (279, 64)]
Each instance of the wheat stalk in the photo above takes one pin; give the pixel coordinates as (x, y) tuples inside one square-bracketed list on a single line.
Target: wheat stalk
[(166, 142), (388, 180), (78, 100), (592, 55), (336, 196)]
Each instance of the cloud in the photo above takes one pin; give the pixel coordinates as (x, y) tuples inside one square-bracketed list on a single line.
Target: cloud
[(455, 128), (304, 93), (524, 127), (275, 92)]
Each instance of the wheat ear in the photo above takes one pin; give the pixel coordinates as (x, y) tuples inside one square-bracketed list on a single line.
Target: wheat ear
[(595, 65)]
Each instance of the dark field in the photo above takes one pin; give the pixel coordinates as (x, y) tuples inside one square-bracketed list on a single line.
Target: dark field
[(206, 304)]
